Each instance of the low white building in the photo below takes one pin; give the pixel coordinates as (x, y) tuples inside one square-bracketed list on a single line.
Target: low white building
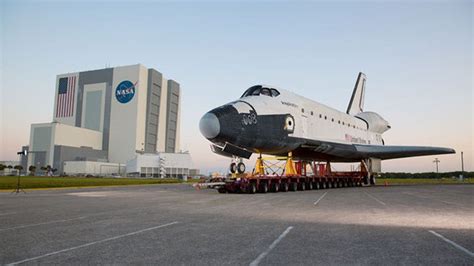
[(93, 168), (169, 165)]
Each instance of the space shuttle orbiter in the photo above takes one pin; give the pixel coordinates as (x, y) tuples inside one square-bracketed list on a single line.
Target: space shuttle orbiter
[(269, 120)]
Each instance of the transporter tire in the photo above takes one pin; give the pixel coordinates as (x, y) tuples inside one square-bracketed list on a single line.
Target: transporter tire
[(293, 186), (301, 186), (322, 185), (263, 187), (274, 187), (284, 187), (316, 185), (309, 185), (251, 188), (222, 190)]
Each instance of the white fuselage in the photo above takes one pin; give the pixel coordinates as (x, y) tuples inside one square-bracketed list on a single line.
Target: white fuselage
[(314, 120)]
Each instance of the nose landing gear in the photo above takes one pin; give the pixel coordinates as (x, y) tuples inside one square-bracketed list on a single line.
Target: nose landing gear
[(237, 167)]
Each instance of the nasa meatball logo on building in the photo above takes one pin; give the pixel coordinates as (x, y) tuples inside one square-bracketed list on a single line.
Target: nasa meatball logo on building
[(125, 91)]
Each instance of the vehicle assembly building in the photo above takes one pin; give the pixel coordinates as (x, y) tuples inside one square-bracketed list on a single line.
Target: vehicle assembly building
[(105, 119)]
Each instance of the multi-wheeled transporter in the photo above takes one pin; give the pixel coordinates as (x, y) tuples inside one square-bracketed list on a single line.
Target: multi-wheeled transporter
[(300, 175)]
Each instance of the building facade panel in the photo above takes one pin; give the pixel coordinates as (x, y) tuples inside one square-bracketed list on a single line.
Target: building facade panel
[(41, 144), (125, 113), (77, 137), (65, 98), (96, 77), (93, 106), (173, 98), (161, 138), (142, 97), (153, 110)]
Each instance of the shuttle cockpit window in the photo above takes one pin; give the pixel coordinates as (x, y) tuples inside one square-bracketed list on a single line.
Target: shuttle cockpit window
[(259, 90), (256, 92), (275, 93), (265, 91)]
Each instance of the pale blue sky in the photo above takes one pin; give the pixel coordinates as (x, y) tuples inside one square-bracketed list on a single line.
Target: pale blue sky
[(417, 56)]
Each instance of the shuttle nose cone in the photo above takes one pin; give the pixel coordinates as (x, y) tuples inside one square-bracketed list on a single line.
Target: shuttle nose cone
[(209, 126)]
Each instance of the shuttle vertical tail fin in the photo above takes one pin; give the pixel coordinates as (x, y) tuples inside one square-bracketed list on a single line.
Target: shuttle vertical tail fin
[(356, 104)]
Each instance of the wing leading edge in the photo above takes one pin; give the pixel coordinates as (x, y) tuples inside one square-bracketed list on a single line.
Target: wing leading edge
[(394, 152), (348, 152)]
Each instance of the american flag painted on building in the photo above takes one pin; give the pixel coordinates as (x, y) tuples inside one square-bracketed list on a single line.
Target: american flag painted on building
[(66, 94)]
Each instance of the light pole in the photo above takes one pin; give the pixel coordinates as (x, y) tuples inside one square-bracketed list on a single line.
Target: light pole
[(436, 161), (462, 166)]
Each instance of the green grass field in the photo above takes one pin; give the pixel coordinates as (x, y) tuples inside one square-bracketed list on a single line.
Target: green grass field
[(420, 181), (9, 182)]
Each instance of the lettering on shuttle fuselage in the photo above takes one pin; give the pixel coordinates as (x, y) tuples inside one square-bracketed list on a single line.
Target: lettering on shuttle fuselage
[(355, 139), (289, 104), (249, 119)]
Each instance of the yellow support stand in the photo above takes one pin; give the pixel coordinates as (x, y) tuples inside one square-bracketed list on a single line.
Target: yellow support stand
[(259, 167), (290, 165)]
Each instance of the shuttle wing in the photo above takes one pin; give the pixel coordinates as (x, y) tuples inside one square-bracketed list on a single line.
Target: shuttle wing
[(393, 152), (348, 152)]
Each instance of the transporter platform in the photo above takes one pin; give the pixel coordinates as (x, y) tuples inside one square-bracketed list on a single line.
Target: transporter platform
[(293, 176)]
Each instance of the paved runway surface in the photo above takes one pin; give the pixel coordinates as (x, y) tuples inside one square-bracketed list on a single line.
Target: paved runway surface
[(177, 225)]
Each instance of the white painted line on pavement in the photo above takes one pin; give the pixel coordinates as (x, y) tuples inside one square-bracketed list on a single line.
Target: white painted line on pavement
[(320, 198), (7, 213), (272, 246), (459, 247), (379, 201), (91, 243), (50, 222)]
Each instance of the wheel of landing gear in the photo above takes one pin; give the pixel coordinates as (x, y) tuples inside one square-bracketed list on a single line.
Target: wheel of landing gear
[(251, 188), (241, 168), (233, 168), (284, 187)]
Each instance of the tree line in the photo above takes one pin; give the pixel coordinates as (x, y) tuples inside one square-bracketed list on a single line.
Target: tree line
[(32, 169), (427, 175)]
